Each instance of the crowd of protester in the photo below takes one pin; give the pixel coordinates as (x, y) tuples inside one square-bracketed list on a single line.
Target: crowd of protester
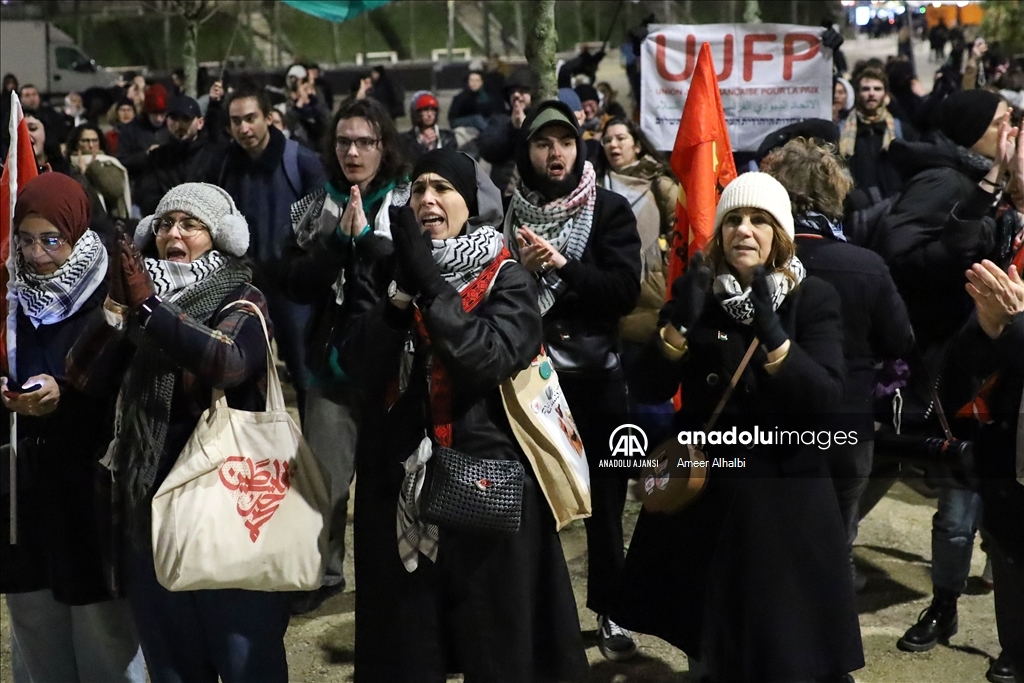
[(871, 257)]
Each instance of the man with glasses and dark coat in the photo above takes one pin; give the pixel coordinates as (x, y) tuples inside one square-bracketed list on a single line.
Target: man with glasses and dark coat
[(265, 174)]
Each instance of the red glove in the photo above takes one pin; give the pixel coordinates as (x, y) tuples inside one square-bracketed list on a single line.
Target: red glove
[(138, 285)]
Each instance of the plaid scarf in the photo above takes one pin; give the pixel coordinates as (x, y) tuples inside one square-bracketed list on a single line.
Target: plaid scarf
[(565, 223), (736, 300), (848, 138), (49, 299), (462, 259)]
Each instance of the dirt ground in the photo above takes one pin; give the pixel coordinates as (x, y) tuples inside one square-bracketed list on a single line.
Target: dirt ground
[(892, 550)]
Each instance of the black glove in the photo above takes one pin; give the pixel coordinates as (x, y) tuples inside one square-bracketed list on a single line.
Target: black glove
[(767, 324), (415, 271), (689, 292), (831, 38)]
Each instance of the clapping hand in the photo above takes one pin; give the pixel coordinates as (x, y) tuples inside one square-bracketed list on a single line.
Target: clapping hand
[(689, 294), (537, 254), (138, 286), (416, 272), (998, 295), (767, 324)]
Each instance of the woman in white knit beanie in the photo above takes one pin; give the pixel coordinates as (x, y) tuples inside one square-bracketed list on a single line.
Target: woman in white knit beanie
[(755, 582)]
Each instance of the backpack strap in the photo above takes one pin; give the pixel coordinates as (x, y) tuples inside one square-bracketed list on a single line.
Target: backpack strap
[(291, 166)]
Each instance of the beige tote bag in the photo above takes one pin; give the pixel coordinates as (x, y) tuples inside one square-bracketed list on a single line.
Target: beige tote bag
[(245, 505), (545, 429)]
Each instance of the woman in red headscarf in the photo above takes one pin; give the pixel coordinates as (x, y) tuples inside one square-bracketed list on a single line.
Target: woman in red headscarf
[(65, 623)]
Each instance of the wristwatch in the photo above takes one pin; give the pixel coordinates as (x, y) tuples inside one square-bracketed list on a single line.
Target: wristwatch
[(395, 294)]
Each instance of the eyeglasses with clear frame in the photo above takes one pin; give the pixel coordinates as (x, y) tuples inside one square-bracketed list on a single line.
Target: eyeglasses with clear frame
[(187, 227), (48, 244), (362, 144)]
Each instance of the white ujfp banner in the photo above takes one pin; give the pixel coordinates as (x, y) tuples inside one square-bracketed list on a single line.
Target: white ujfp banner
[(770, 75)]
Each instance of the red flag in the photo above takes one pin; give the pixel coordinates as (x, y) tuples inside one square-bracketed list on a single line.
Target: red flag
[(702, 161), (19, 169)]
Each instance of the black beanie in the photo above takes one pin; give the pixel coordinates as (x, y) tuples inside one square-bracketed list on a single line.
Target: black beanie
[(587, 92), (965, 116), (455, 167)]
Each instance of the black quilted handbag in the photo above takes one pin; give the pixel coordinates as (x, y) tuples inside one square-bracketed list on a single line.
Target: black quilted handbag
[(473, 494)]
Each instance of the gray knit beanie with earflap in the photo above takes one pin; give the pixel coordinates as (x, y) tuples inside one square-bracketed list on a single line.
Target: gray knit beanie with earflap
[(210, 204)]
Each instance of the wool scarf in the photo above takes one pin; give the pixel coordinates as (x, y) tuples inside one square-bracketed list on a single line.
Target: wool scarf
[(144, 403), (565, 222), (736, 300), (848, 138), (49, 299)]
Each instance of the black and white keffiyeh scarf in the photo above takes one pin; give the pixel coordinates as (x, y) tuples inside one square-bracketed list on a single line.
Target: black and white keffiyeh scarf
[(172, 279), (565, 223), (49, 299), (462, 259), (736, 300)]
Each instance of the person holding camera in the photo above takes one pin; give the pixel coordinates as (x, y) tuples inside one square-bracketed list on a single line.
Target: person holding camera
[(753, 577)]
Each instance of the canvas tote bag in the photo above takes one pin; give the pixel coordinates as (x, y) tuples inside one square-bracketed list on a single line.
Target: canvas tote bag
[(245, 505), (545, 429)]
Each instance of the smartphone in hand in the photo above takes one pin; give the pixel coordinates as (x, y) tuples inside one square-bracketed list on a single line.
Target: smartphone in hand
[(13, 391)]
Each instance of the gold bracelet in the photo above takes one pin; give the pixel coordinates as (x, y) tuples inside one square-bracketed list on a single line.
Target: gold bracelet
[(671, 351)]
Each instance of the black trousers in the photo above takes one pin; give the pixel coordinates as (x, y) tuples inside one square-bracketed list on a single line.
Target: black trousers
[(598, 404)]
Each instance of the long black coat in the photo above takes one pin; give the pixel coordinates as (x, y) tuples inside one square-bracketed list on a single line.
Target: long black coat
[(753, 578), (875, 322), (499, 608), (942, 223), (65, 525)]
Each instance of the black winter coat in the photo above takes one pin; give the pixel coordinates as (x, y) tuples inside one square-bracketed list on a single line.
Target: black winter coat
[(498, 143), (980, 357), (872, 166), (65, 519), (469, 103), (169, 165), (414, 149), (942, 223), (496, 607), (133, 142), (753, 578), (604, 284), (875, 322)]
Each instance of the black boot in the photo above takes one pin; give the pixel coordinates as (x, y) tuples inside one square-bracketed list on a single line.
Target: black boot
[(936, 624), (1000, 671)]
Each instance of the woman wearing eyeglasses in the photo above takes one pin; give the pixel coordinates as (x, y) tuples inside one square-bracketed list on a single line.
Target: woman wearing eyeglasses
[(65, 623), (366, 173), (104, 177), (168, 336)]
